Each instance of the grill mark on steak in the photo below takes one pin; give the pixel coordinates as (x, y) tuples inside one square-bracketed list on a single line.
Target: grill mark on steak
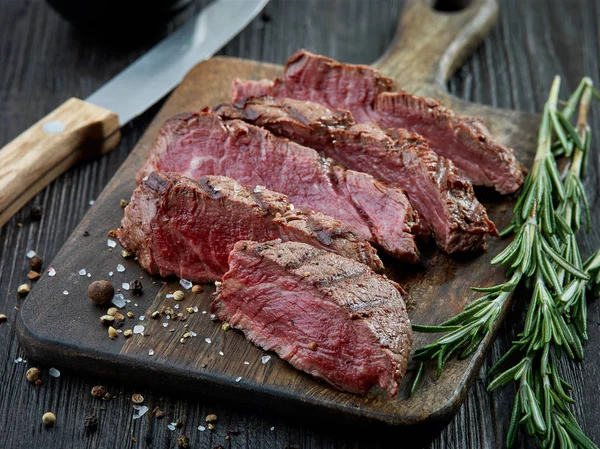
[(199, 144), (370, 97), (177, 226), (351, 331), (444, 199)]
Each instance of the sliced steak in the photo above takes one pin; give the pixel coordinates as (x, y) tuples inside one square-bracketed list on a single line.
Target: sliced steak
[(326, 315), (370, 97), (200, 144), (177, 226), (444, 200)]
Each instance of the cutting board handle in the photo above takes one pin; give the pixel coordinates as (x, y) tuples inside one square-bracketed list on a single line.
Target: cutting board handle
[(431, 43)]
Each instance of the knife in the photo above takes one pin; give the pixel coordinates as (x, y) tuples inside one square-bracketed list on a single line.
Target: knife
[(80, 129)]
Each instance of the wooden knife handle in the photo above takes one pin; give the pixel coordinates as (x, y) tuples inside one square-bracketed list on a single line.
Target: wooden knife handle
[(431, 44), (74, 131)]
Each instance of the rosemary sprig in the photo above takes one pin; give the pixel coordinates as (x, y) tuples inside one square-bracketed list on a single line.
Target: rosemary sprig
[(543, 256)]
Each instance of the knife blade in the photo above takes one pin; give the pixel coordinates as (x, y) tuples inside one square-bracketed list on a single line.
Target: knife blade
[(80, 129)]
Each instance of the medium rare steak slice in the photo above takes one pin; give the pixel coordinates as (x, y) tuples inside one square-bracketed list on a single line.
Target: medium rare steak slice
[(201, 144), (177, 226), (445, 201), (326, 315), (370, 97)]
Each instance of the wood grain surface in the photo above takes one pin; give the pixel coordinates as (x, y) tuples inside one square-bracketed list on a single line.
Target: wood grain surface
[(501, 74)]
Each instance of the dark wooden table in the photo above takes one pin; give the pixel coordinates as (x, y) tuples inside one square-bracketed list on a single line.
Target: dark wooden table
[(43, 61)]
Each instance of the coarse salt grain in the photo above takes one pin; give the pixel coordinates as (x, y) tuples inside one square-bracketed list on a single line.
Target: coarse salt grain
[(125, 286), (111, 243), (142, 317), (138, 329), (91, 202), (110, 273), (169, 295), (89, 275), (201, 428), (186, 284), (51, 272), (265, 359), (257, 189), (208, 340), (193, 334), (19, 360), (65, 292), (246, 363), (217, 188), (204, 312), (151, 352), (140, 410), (82, 272), (54, 372), (165, 324), (195, 309), (272, 428), (172, 426), (120, 268), (176, 306), (119, 300), (221, 353), (238, 379), (292, 207), (31, 253)]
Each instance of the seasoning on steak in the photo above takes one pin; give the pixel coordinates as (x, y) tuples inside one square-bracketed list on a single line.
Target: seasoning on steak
[(200, 144), (444, 200), (177, 226), (370, 97), (326, 315)]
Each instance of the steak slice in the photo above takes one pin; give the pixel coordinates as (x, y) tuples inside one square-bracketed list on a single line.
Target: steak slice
[(200, 144), (177, 226), (326, 315), (445, 201), (370, 97)]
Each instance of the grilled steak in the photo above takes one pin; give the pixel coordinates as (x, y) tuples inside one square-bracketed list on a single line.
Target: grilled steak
[(444, 200), (326, 315), (201, 144), (177, 226), (370, 97)]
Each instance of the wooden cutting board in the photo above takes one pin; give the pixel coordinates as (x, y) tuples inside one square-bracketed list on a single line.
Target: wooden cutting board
[(59, 325)]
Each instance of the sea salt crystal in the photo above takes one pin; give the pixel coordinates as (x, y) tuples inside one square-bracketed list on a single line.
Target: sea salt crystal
[(204, 312), (257, 189), (185, 284), (292, 207), (31, 253), (138, 329), (246, 363), (145, 178), (65, 292), (221, 353), (201, 428), (193, 334), (82, 272), (19, 360), (140, 410), (89, 275), (172, 426), (51, 272), (176, 306), (125, 285), (195, 309), (91, 202), (238, 379), (169, 295), (265, 359), (272, 428), (119, 300), (165, 324), (208, 340), (54, 372), (110, 273), (111, 243), (120, 268), (151, 352), (142, 317)]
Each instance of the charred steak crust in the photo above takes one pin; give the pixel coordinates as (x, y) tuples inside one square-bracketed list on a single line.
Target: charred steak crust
[(444, 199), (370, 97), (177, 226), (200, 144), (326, 315)]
